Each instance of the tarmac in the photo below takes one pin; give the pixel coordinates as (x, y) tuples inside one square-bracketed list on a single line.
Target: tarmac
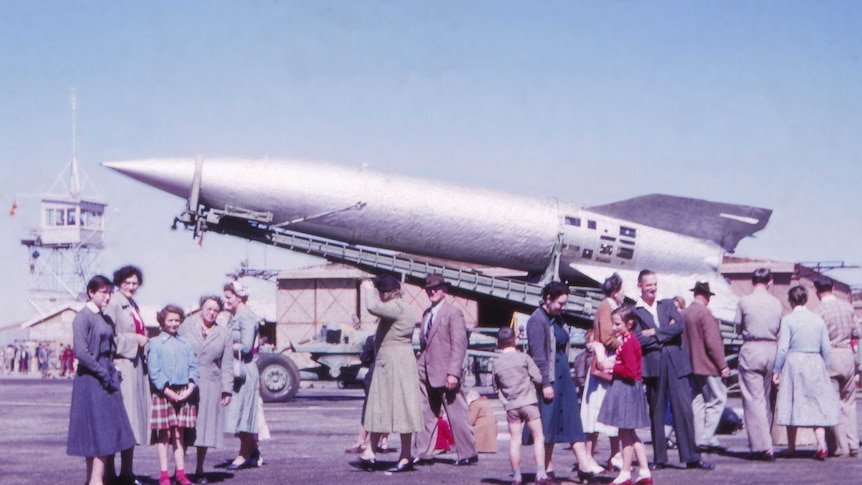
[(310, 433)]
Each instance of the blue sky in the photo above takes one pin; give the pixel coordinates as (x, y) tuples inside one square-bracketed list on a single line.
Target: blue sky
[(755, 103)]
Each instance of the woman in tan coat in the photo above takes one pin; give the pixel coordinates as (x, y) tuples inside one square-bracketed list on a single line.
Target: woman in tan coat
[(131, 340), (393, 399)]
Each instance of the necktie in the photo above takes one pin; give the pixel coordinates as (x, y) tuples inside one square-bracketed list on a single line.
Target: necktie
[(428, 327)]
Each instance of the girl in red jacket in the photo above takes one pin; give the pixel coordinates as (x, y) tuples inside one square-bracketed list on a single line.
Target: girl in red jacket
[(625, 404)]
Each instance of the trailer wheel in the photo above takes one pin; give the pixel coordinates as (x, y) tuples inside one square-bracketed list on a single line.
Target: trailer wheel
[(279, 377)]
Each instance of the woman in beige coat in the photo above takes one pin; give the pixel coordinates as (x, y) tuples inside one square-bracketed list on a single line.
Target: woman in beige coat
[(393, 399), (131, 340)]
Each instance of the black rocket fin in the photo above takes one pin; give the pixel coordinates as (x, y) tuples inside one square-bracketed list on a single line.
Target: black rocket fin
[(725, 224)]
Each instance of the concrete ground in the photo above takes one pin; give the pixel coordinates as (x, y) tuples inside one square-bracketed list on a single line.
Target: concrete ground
[(309, 435)]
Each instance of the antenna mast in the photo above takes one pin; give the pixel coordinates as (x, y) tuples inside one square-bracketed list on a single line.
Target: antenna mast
[(75, 182)]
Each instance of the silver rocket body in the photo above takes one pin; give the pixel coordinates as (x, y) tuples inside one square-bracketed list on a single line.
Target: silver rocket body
[(457, 222)]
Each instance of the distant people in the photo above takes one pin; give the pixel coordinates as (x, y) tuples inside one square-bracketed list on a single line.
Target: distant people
[(805, 394), (758, 318), (482, 422), (98, 425), (666, 373), (598, 382), (443, 344), (67, 360), (23, 360), (131, 340), (517, 379), (173, 372), (548, 344), (213, 346), (625, 405), (241, 414), (840, 319), (706, 348), (42, 359), (394, 401)]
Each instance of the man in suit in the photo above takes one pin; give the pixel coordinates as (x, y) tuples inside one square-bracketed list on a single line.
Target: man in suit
[(758, 318), (443, 344), (666, 372), (843, 330), (706, 346)]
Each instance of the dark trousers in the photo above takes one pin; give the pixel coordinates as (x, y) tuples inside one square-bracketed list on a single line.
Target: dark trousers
[(676, 389)]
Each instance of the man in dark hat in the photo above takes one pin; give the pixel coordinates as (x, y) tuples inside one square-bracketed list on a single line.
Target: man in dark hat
[(706, 347), (443, 344)]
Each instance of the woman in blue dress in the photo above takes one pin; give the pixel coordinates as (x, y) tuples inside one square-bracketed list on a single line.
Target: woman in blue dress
[(806, 397), (98, 424), (548, 345)]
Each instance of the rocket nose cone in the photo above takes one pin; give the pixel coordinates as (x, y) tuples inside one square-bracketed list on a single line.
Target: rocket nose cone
[(174, 175)]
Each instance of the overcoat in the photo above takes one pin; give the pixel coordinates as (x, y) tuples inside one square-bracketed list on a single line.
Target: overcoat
[(130, 361), (393, 399), (215, 365)]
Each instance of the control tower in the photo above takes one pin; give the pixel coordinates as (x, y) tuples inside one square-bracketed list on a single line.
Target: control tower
[(64, 250)]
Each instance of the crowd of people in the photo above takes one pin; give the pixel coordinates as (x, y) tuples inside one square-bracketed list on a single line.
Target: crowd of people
[(50, 359), (185, 387), (651, 364)]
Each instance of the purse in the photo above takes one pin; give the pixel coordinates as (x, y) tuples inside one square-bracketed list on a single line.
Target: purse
[(238, 369), (597, 371)]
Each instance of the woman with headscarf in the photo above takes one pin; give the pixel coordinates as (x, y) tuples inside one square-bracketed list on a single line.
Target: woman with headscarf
[(393, 400), (241, 414)]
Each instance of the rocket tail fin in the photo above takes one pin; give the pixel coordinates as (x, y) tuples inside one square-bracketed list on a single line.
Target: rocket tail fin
[(725, 224)]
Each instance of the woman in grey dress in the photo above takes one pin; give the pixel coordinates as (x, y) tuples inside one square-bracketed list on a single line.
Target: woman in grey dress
[(213, 346), (98, 425), (241, 415), (806, 397), (393, 400), (131, 340)]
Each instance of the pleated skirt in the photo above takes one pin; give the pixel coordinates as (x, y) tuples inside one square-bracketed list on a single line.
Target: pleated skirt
[(625, 405)]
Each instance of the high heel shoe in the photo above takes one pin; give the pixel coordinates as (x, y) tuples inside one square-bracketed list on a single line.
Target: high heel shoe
[(247, 463), (257, 457), (586, 477), (405, 465), (368, 465), (820, 455), (644, 481)]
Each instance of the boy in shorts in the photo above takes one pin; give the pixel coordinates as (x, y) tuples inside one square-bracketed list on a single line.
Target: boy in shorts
[(516, 377)]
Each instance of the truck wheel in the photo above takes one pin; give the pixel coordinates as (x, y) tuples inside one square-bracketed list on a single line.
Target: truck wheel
[(279, 376)]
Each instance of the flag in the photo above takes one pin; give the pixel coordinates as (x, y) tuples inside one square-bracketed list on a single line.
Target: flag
[(14, 208)]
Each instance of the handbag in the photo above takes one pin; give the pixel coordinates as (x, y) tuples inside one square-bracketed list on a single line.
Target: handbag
[(238, 369), (595, 369)]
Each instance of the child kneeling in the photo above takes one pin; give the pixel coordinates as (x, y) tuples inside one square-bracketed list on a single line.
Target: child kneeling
[(516, 377), (173, 372)]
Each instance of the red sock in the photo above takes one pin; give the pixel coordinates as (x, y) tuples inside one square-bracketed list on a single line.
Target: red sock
[(164, 477), (182, 478)]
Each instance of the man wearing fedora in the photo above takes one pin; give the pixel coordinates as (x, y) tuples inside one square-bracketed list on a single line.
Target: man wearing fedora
[(443, 344), (706, 348)]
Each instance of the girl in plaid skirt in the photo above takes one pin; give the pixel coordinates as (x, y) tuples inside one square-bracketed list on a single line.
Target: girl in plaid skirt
[(173, 372)]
